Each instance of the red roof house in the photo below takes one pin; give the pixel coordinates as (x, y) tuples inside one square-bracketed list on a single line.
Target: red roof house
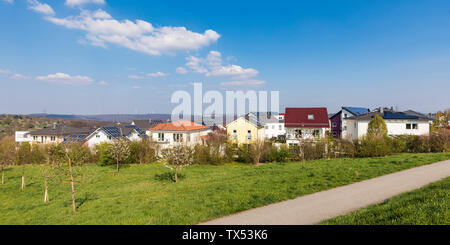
[(179, 126), (306, 118)]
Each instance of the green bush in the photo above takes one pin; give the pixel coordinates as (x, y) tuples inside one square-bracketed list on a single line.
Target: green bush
[(440, 141), (208, 155), (103, 154), (398, 144), (373, 146), (243, 154)]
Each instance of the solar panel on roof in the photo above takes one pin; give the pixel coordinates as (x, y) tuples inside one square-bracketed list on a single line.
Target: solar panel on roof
[(393, 115)]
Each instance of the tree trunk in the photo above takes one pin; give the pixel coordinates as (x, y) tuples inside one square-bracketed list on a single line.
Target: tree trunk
[(176, 175), (3, 176), (23, 177), (117, 164), (46, 199), (74, 206)]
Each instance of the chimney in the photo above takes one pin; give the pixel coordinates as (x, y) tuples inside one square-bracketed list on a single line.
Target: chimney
[(382, 109)]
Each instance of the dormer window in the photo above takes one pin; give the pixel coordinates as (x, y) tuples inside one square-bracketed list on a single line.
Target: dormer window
[(310, 117)]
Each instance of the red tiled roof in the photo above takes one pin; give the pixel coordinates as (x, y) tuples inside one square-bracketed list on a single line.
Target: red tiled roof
[(178, 126), (298, 117)]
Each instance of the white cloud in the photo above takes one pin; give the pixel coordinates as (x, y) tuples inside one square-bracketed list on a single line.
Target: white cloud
[(136, 87), (40, 7), (19, 77), (2, 71), (135, 77), (103, 83), (9, 1), (181, 70), (212, 66), (157, 74), (73, 3), (61, 78), (249, 83), (101, 29)]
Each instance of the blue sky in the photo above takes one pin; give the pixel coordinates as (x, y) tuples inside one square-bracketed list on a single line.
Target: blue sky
[(105, 56)]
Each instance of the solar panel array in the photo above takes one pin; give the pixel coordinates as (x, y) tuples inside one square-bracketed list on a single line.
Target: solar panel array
[(140, 131), (113, 131), (393, 115)]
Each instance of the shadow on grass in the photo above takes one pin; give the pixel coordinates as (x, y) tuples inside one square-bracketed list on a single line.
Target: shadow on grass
[(169, 176), (82, 199)]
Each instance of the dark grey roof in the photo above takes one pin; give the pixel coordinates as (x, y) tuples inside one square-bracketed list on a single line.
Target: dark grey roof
[(60, 130), (390, 115), (418, 114), (143, 124), (262, 118), (123, 130)]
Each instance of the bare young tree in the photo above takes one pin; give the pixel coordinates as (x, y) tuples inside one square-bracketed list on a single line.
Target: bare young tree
[(24, 157), (54, 154), (178, 157), (74, 154), (120, 150), (7, 154), (301, 152), (257, 149)]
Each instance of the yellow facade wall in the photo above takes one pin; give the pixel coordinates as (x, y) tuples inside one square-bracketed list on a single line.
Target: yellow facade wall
[(238, 131)]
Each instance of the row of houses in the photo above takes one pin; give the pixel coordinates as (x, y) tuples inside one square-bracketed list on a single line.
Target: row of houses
[(290, 127)]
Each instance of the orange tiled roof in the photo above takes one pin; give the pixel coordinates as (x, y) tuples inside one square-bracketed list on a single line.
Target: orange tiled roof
[(178, 126)]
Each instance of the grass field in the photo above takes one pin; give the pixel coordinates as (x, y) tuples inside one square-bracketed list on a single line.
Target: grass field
[(429, 205), (144, 194)]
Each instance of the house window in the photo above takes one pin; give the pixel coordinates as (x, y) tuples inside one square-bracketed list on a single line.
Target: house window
[(52, 138), (345, 127), (316, 133), (97, 136), (298, 133), (334, 134), (266, 127), (109, 137), (249, 134), (333, 124), (310, 117), (408, 126), (178, 137), (415, 126), (160, 136), (35, 137), (234, 134), (280, 127), (345, 115)]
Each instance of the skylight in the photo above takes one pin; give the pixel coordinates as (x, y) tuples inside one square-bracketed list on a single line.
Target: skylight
[(310, 117)]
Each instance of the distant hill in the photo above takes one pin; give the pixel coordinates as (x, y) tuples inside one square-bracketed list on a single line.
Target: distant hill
[(123, 118)]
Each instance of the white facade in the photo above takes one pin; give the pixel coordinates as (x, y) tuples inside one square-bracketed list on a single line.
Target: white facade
[(295, 135), (344, 129), (357, 129), (100, 136), (171, 138), (22, 136), (273, 130)]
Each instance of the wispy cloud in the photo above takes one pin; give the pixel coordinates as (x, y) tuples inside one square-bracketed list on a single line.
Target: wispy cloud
[(62, 78), (181, 70), (73, 3), (19, 77), (135, 77), (40, 7), (9, 1), (136, 87), (102, 29), (103, 83), (3, 71), (157, 74), (247, 83)]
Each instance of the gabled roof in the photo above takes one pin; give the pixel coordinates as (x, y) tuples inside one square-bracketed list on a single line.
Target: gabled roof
[(415, 113), (179, 126), (356, 111), (119, 131), (262, 118), (299, 117)]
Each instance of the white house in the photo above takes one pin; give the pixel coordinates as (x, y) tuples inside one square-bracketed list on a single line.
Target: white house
[(108, 134), (23, 136), (397, 123), (306, 124), (180, 132)]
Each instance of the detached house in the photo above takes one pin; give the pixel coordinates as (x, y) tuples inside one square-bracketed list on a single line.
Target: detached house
[(180, 132), (109, 133), (305, 123), (273, 123), (55, 134), (338, 122), (398, 123), (245, 130)]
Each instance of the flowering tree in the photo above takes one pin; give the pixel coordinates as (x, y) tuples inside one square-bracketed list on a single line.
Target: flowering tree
[(7, 154), (178, 157), (120, 150)]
